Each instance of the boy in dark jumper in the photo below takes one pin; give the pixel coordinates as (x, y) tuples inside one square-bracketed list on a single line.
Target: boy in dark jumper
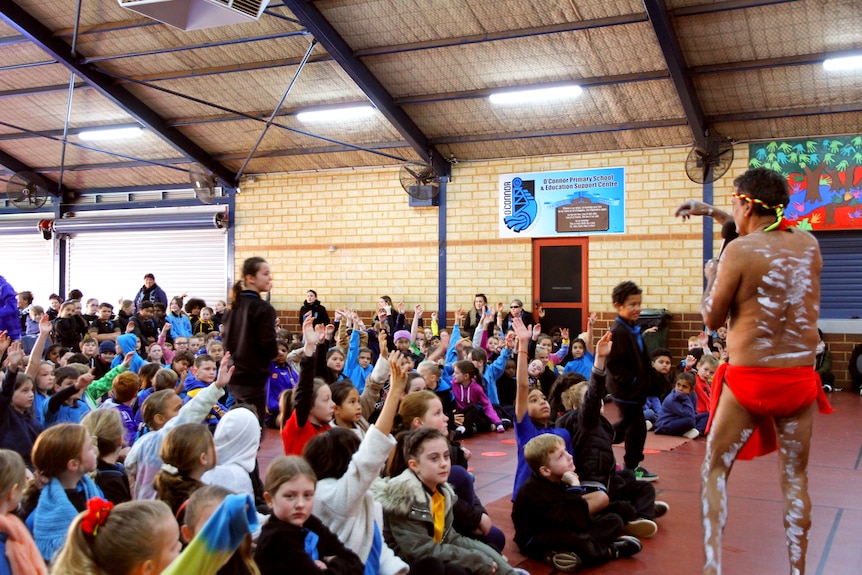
[(592, 446), (553, 513), (631, 377)]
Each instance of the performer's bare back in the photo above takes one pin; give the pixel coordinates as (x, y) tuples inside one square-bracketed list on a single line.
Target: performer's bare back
[(769, 282)]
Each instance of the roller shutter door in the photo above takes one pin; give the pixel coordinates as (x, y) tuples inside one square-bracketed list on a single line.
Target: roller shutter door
[(111, 265), (841, 280)]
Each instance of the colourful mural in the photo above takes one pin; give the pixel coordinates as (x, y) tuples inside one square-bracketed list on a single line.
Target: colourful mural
[(825, 177)]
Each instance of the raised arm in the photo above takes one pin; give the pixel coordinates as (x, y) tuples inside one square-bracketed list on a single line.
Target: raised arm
[(39, 347), (397, 385), (417, 316), (591, 320), (523, 333), (304, 391)]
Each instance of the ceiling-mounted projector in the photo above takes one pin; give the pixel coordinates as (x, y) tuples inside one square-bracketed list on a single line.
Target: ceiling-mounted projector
[(197, 14)]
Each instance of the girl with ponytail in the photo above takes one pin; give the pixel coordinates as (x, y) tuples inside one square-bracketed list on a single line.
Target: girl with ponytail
[(249, 335)]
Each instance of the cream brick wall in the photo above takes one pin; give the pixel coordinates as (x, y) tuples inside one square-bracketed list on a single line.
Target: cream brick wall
[(383, 246)]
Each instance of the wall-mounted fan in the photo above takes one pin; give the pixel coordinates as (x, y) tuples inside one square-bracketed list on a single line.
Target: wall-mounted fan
[(27, 191), (420, 181), (705, 164), (203, 182)]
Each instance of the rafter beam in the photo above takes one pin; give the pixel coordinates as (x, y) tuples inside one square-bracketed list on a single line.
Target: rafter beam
[(679, 75), (335, 45), (14, 165), (40, 35)]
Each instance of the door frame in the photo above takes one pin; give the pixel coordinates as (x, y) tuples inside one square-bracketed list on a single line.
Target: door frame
[(583, 242)]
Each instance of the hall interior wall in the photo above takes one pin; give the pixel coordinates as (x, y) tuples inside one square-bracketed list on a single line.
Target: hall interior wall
[(351, 236)]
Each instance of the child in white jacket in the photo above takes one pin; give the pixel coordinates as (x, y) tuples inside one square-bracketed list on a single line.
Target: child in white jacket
[(346, 469)]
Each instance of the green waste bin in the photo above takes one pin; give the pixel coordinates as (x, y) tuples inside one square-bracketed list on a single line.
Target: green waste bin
[(659, 318)]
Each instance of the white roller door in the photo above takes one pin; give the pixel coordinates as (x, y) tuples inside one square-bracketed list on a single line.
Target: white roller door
[(111, 265)]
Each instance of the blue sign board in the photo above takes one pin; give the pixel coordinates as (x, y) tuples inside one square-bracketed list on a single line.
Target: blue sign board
[(564, 203)]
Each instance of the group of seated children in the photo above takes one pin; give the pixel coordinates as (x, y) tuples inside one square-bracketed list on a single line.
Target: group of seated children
[(684, 408), (102, 449)]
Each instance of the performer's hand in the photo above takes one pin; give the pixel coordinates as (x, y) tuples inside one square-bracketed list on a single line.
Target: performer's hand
[(693, 208)]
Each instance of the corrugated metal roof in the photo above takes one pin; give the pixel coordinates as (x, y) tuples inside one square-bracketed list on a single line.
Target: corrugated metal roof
[(755, 68)]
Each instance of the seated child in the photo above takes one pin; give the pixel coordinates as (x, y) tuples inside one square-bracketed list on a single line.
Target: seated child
[(187, 453), (33, 318), (161, 412), (107, 427), (678, 415), (532, 411), (471, 519), (19, 428), (663, 365), (164, 379), (204, 373), (143, 537), (204, 323), (554, 515), (102, 364), (90, 349), (471, 401), (592, 445), (418, 516), (582, 351), (64, 455), (104, 328), (312, 406), (67, 404), (346, 469), (237, 439), (358, 365), (282, 376), (294, 540), (22, 557), (215, 349), (706, 368), (201, 506), (124, 393), (541, 376)]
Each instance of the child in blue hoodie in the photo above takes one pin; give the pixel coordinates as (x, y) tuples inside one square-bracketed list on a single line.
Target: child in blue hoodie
[(204, 373), (678, 415), (126, 343)]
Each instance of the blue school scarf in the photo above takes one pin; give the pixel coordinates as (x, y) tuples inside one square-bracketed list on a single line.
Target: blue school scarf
[(54, 513)]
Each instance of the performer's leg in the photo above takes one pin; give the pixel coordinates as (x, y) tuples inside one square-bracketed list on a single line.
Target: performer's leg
[(731, 428), (794, 442)]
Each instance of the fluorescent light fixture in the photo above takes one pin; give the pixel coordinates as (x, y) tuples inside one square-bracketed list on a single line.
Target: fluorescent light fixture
[(536, 95), (845, 63), (110, 134), (336, 114)]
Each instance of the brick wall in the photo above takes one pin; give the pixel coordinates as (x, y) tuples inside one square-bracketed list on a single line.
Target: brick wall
[(351, 236)]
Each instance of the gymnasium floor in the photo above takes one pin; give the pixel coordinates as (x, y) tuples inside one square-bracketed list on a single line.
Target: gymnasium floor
[(754, 538)]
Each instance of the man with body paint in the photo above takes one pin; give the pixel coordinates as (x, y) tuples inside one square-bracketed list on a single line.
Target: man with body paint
[(764, 397)]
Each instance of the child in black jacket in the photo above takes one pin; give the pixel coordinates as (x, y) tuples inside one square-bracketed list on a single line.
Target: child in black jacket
[(592, 446), (294, 540), (554, 516)]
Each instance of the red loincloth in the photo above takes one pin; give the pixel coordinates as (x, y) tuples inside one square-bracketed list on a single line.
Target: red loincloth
[(770, 392)]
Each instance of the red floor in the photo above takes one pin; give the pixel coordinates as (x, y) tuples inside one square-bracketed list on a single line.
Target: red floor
[(754, 538)]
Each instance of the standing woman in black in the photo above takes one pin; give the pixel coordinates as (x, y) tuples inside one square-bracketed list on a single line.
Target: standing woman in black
[(249, 335)]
